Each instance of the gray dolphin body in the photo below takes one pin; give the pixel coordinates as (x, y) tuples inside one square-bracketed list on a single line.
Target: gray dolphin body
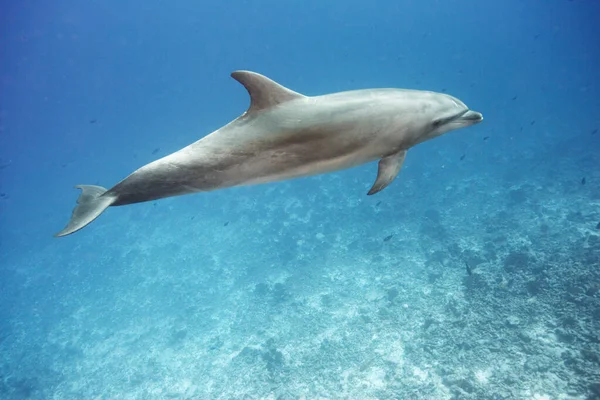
[(286, 135)]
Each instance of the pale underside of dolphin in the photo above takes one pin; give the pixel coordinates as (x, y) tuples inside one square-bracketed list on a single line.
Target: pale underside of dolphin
[(285, 135)]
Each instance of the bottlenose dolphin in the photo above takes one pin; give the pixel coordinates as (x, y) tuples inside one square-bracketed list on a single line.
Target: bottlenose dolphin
[(286, 135)]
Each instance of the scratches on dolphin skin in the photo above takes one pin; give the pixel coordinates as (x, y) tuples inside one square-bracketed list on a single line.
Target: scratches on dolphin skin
[(174, 165), (192, 189)]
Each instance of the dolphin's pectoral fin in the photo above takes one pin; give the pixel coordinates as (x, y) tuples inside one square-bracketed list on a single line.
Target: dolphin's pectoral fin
[(264, 92), (388, 169)]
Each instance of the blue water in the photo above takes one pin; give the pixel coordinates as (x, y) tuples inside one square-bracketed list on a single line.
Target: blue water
[(475, 275)]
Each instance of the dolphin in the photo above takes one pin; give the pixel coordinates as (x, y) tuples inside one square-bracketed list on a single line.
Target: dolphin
[(285, 135)]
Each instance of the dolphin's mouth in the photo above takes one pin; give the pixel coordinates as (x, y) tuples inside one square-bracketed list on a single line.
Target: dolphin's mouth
[(462, 118), (471, 116)]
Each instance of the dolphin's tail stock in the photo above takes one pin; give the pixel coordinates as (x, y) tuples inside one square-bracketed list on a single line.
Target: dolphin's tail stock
[(91, 203)]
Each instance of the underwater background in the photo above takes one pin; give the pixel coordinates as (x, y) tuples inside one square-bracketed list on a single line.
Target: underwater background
[(475, 275)]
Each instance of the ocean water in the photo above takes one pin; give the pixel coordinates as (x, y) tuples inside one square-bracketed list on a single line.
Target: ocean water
[(474, 275)]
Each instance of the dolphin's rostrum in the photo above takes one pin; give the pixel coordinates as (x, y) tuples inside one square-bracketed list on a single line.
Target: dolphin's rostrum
[(285, 135)]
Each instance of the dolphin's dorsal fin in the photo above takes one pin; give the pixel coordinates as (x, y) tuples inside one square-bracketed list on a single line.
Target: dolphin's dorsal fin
[(264, 92)]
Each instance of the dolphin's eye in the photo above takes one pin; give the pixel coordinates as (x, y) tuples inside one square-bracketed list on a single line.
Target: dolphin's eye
[(437, 123)]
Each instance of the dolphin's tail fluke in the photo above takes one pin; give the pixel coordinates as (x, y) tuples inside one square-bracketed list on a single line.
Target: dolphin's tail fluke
[(91, 203)]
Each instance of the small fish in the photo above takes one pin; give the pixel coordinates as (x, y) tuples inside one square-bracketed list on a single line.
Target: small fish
[(469, 270), (192, 218), (462, 157), (5, 164), (93, 121), (598, 226), (583, 180), (2, 195), (595, 131), (156, 150), (485, 138), (444, 90), (514, 98), (378, 204), (226, 223), (387, 238), (533, 122)]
